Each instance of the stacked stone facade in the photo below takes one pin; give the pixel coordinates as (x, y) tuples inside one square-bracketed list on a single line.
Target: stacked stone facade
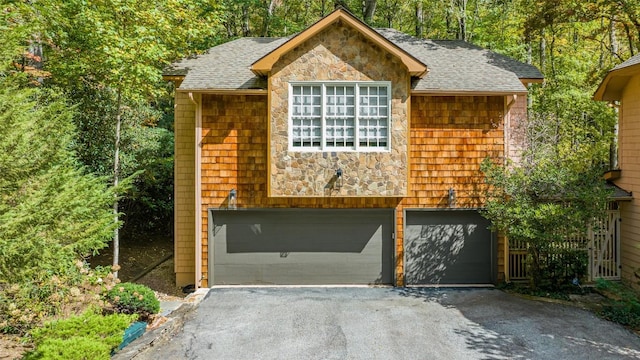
[(308, 174)]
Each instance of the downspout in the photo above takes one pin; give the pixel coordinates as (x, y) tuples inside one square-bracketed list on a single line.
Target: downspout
[(198, 192)]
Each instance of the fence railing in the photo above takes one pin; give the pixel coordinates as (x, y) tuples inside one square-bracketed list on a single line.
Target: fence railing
[(601, 246)]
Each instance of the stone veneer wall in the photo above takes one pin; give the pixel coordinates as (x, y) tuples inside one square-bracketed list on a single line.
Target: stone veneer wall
[(338, 53)]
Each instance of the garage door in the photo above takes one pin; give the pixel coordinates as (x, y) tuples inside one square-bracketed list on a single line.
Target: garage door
[(301, 246), (448, 247)]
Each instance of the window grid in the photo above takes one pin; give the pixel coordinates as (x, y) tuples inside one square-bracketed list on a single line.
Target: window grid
[(306, 114), (373, 116), (340, 116), (354, 116)]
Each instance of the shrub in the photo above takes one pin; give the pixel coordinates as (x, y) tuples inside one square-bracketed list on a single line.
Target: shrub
[(625, 308), (129, 298), (28, 304), (624, 313), (87, 336)]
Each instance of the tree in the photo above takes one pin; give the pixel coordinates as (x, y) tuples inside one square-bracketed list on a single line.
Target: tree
[(119, 48), (553, 194), (51, 212)]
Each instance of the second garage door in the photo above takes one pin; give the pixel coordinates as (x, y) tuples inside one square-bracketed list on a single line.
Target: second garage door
[(448, 247), (301, 246)]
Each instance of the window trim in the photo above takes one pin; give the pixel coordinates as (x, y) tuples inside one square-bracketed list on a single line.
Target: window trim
[(323, 85)]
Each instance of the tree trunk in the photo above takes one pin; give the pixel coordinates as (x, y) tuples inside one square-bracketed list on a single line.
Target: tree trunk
[(534, 267), (530, 62), (612, 36), (543, 50), (368, 10), (116, 174), (267, 19), (245, 21), (419, 19), (462, 20)]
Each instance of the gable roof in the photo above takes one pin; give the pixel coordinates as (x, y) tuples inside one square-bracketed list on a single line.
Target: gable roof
[(454, 66), (611, 87), (264, 64), (226, 66)]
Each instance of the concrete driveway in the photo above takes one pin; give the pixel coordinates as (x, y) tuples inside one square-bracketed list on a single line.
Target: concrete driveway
[(386, 323)]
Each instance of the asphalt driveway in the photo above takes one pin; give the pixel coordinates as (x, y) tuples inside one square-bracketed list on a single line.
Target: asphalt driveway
[(387, 323)]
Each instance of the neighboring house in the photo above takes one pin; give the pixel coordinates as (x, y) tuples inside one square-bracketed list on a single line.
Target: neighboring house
[(621, 87), (341, 155)]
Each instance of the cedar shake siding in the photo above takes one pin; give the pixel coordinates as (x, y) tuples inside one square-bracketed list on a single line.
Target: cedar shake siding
[(629, 162), (450, 105), (184, 189), (449, 138), (621, 86)]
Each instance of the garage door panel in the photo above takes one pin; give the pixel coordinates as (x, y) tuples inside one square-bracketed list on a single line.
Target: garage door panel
[(448, 247), (272, 237), (302, 246)]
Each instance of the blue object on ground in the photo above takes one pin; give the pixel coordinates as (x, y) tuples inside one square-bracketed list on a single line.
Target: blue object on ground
[(133, 332)]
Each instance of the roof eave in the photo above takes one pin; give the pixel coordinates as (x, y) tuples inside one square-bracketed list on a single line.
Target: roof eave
[(173, 77), (263, 66), (610, 89), (532, 80), (439, 92), (224, 91)]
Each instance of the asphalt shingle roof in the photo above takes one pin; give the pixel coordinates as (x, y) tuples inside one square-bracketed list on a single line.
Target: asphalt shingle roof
[(634, 60), (226, 66), (454, 66)]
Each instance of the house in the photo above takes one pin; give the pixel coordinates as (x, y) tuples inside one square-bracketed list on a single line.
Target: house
[(621, 88), (341, 155)]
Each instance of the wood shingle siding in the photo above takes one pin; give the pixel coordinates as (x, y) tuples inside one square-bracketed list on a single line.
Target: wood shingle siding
[(629, 145), (448, 142), (233, 130), (184, 189)]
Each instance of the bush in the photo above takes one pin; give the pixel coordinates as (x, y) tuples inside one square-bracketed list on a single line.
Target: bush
[(625, 308), (129, 298), (28, 304), (87, 336), (624, 313)]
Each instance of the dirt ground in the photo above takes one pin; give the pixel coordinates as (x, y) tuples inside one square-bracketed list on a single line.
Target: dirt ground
[(137, 256)]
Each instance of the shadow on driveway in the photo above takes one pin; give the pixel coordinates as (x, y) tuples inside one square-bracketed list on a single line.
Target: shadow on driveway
[(387, 323)]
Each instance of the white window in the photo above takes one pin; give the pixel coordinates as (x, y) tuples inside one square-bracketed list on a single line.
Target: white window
[(339, 116)]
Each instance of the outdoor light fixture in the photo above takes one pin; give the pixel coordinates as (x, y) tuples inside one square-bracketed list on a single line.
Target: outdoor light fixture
[(232, 198), (338, 178), (452, 197)]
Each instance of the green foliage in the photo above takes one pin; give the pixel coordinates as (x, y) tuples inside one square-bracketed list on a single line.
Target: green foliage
[(146, 149), (87, 336), (129, 298), (561, 292), (30, 303), (625, 306), (544, 201), (562, 265), (51, 212)]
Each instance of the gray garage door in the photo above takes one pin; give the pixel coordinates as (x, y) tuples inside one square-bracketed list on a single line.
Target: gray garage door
[(448, 247), (301, 246)]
